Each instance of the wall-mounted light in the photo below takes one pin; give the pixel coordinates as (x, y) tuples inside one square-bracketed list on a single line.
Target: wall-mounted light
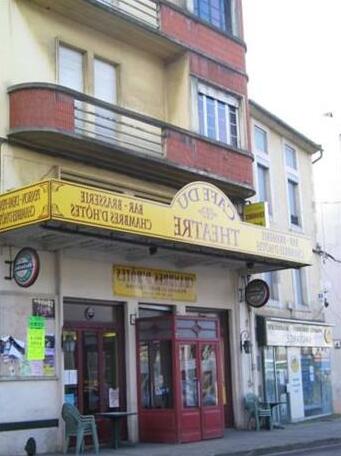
[(245, 343)]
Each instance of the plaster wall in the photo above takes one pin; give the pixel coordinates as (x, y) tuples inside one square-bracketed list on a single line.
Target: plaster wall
[(142, 77), (280, 220)]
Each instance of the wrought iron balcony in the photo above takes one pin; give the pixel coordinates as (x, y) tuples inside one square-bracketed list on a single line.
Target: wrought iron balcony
[(62, 122)]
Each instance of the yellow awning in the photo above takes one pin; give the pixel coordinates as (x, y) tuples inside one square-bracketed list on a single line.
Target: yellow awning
[(200, 214)]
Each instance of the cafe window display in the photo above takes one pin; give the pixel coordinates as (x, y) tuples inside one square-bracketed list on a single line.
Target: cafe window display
[(296, 367)]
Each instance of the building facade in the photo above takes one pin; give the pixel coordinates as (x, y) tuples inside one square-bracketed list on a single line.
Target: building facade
[(125, 163), (293, 335)]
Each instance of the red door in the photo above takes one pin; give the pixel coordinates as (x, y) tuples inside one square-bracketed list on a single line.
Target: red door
[(92, 373), (201, 409)]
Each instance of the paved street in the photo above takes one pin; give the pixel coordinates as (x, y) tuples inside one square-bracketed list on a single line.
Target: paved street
[(319, 451)]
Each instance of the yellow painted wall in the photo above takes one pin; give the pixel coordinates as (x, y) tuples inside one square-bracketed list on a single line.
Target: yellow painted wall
[(30, 56), (20, 166), (178, 92)]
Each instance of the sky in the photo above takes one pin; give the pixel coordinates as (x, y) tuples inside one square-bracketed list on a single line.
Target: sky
[(294, 68)]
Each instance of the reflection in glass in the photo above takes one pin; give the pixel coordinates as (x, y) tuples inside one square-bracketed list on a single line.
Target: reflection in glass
[(188, 372), (316, 373), (90, 363), (156, 374), (209, 376), (110, 369)]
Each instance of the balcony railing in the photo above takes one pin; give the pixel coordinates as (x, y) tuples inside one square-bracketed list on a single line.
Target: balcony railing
[(61, 121), (72, 112), (146, 11)]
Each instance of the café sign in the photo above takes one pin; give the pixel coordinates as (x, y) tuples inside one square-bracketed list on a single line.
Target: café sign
[(290, 334), (199, 214)]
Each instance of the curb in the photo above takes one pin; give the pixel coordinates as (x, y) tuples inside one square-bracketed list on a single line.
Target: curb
[(283, 448)]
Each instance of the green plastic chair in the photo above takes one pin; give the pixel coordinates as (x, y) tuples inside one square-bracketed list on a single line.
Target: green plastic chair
[(257, 410), (77, 425)]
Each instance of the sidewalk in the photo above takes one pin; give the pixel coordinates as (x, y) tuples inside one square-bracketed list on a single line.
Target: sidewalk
[(243, 443)]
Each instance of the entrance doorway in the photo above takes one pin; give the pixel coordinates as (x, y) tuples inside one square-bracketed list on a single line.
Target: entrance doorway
[(94, 360), (200, 405), (179, 378)]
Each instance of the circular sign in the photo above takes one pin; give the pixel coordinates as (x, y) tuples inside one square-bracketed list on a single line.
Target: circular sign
[(26, 267), (257, 293)]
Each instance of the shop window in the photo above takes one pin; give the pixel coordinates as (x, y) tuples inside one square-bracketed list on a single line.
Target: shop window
[(316, 380), (218, 115), (219, 13), (156, 374)]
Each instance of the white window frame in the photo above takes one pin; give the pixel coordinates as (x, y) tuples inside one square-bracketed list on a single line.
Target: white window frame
[(305, 298), (263, 159), (276, 282), (226, 98), (293, 175), (59, 44)]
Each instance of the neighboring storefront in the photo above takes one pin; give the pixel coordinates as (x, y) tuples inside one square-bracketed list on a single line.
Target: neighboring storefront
[(97, 263), (296, 366)]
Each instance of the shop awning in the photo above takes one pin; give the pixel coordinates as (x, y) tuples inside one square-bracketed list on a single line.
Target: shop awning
[(200, 218)]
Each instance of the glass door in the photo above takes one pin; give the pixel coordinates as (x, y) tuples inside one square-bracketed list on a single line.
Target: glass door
[(202, 411), (92, 367)]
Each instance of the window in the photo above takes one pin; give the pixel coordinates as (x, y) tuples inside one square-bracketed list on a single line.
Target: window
[(217, 12), (218, 115), (261, 140), (291, 166), (105, 81), (298, 285), (271, 278), (70, 68), (105, 90), (290, 157), (263, 180), (293, 202)]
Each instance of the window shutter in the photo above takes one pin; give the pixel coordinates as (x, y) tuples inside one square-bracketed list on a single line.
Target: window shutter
[(71, 68)]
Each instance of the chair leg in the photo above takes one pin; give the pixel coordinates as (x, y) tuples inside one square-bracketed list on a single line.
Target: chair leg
[(95, 438), (66, 444), (80, 441)]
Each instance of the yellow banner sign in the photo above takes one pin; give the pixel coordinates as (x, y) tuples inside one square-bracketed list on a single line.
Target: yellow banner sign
[(25, 206), (199, 214), (257, 213), (154, 283)]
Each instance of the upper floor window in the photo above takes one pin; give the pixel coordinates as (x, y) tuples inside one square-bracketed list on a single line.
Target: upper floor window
[(293, 203), (219, 13), (290, 157), (218, 115), (71, 68), (263, 181), (261, 140), (293, 186)]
